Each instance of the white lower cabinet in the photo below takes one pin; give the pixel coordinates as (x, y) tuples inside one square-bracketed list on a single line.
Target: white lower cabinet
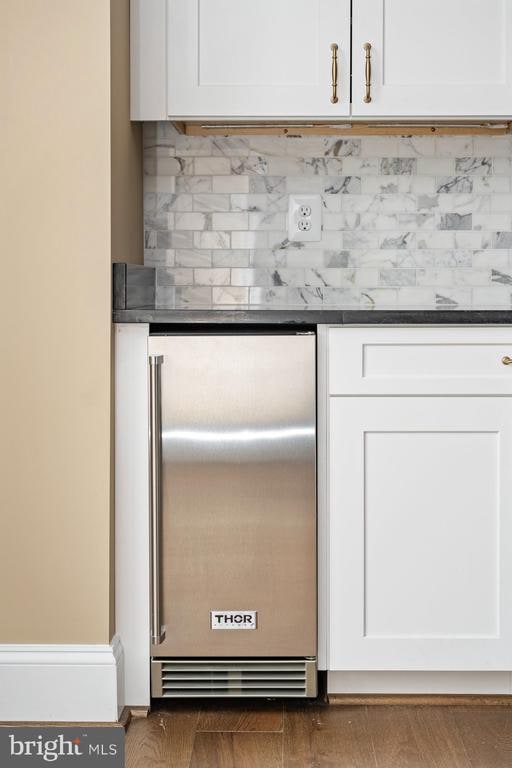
[(420, 525)]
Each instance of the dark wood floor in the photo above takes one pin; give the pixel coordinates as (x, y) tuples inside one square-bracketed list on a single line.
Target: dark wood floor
[(273, 735)]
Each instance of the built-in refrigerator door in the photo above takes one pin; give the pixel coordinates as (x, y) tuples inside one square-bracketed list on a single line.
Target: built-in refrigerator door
[(238, 511)]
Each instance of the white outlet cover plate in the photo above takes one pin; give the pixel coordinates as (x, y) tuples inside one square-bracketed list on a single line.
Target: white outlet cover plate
[(294, 233)]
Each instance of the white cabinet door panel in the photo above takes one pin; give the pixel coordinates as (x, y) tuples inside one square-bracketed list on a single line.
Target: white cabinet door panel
[(438, 58), (271, 58), (421, 533)]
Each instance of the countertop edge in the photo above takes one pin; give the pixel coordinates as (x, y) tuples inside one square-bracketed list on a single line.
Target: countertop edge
[(299, 317)]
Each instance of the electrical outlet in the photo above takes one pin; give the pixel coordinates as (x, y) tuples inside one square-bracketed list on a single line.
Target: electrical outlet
[(304, 218)]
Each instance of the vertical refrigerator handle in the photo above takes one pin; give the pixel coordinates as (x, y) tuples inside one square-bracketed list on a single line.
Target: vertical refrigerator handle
[(155, 495)]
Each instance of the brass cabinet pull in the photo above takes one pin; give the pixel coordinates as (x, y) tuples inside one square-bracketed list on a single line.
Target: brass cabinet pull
[(367, 72), (506, 360), (334, 73)]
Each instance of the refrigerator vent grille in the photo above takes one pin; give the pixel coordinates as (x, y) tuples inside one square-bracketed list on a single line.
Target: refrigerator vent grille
[(275, 678)]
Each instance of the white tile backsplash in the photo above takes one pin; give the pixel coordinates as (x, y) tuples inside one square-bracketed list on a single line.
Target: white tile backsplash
[(422, 221)]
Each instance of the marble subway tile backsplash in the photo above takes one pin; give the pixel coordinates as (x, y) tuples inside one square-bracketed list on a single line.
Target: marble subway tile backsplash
[(410, 221)]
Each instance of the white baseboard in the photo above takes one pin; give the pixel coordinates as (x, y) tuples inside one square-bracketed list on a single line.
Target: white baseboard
[(61, 683), (491, 683)]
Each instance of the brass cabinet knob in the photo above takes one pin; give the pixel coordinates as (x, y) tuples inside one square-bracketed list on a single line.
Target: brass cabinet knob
[(506, 360)]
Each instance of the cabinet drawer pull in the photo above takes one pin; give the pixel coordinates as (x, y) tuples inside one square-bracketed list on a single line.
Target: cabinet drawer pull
[(367, 72), (334, 73), (506, 360)]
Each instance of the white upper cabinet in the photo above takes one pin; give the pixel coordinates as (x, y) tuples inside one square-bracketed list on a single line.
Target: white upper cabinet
[(441, 58), (278, 59), (270, 58), (243, 59)]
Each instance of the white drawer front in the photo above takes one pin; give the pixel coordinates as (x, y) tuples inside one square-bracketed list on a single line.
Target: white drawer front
[(427, 360)]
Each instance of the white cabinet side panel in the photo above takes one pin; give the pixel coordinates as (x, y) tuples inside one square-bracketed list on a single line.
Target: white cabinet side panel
[(132, 507), (148, 59), (322, 495)]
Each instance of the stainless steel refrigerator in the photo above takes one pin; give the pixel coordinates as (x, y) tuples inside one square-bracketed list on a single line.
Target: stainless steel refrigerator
[(233, 514)]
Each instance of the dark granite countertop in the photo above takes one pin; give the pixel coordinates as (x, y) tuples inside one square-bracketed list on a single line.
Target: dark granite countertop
[(291, 317), (134, 302)]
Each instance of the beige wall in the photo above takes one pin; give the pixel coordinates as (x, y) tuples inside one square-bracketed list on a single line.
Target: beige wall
[(55, 321), (127, 218)]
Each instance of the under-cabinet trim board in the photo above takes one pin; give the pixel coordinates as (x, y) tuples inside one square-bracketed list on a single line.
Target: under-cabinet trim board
[(352, 128)]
